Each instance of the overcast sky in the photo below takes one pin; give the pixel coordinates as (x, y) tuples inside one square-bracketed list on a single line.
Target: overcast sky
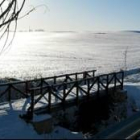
[(83, 15)]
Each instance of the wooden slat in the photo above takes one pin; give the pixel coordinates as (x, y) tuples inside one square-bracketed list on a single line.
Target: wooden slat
[(82, 89), (70, 90), (39, 98), (102, 83), (110, 80), (93, 83), (55, 95)]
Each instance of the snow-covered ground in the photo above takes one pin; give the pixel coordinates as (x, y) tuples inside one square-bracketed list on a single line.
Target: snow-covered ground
[(14, 127)]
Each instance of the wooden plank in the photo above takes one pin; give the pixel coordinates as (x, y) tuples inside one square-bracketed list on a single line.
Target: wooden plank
[(39, 98)]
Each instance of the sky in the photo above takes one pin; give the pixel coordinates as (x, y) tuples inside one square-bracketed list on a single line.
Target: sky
[(82, 15)]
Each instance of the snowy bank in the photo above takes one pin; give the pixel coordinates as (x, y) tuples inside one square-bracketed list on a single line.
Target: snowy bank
[(15, 128), (12, 127)]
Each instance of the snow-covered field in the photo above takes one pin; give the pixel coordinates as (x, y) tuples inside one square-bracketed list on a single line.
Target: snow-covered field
[(36, 54)]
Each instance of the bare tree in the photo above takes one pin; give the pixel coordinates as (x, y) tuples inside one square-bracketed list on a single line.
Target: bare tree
[(9, 13)]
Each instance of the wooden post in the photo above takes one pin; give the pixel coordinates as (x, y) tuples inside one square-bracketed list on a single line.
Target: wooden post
[(41, 86), (32, 104), (9, 92), (64, 90), (93, 73), (88, 88), (64, 95), (84, 77), (77, 92), (115, 81), (54, 79), (98, 87), (66, 81), (66, 78), (107, 90), (107, 83), (76, 77), (122, 80), (27, 87), (49, 99)]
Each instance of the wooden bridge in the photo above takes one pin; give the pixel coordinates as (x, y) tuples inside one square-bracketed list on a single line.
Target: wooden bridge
[(62, 91), (72, 92)]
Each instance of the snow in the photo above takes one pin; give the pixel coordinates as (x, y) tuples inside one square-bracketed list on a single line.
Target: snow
[(12, 127), (133, 93), (62, 133), (38, 118)]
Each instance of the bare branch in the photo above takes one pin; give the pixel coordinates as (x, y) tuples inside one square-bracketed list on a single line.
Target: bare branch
[(9, 13)]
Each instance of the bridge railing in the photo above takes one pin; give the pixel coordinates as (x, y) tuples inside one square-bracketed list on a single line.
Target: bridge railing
[(63, 92), (20, 89)]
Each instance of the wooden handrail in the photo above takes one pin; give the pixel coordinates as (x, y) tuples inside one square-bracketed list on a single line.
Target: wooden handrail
[(72, 82), (53, 79), (46, 78)]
